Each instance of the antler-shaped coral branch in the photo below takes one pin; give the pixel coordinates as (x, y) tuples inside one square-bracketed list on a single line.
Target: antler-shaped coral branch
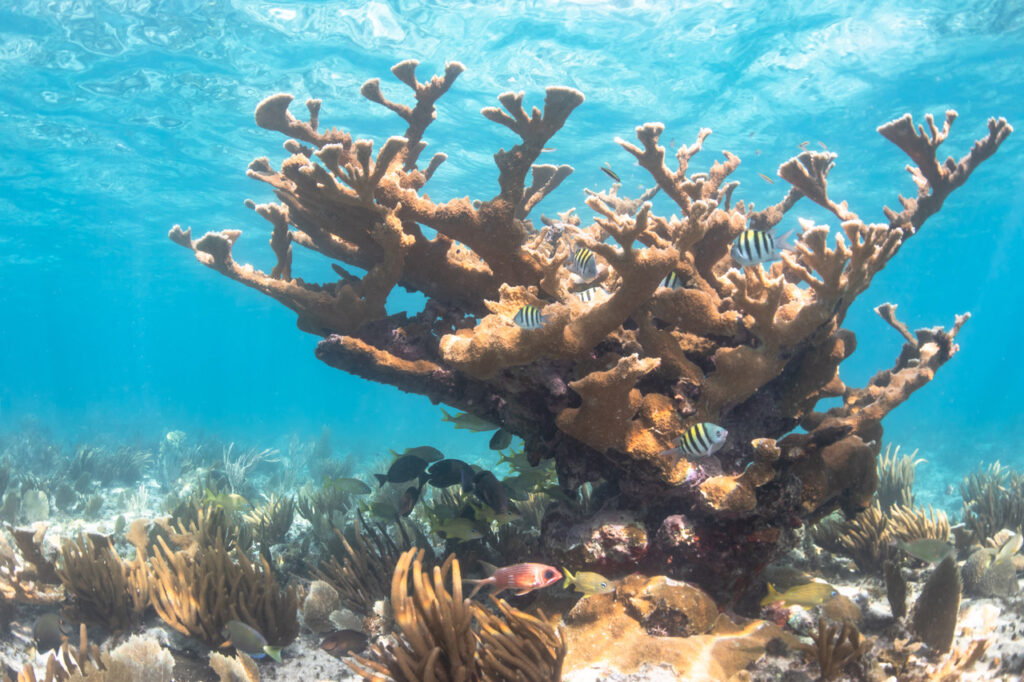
[(272, 114), (535, 130), (934, 181), (423, 114), (808, 172)]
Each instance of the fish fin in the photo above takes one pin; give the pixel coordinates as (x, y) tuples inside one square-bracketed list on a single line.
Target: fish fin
[(225, 645), (489, 569), (274, 652), (520, 593), (673, 452), (382, 478), (569, 580), (445, 416), (772, 596), (478, 585)]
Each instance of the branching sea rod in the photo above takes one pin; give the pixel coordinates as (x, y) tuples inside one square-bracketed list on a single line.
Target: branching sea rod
[(606, 385)]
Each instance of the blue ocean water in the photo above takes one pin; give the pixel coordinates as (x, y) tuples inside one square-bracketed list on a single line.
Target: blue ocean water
[(120, 119)]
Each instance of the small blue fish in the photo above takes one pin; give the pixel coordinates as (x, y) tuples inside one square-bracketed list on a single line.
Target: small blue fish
[(757, 246), (529, 317), (583, 263), (700, 440), (671, 281)]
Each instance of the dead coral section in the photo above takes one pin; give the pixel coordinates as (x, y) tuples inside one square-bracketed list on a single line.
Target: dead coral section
[(443, 636), (27, 575)]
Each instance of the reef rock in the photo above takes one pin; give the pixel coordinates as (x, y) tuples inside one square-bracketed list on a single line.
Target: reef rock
[(617, 636)]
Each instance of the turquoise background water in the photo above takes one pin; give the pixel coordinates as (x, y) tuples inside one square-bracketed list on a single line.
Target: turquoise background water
[(120, 119)]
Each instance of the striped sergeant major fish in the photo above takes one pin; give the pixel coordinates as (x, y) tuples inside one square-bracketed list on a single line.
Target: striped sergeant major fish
[(592, 294), (758, 246), (700, 440), (671, 281), (583, 263), (529, 317)]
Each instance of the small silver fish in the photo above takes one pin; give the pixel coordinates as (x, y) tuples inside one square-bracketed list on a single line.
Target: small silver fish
[(529, 317), (757, 246), (700, 440), (671, 281), (583, 263)]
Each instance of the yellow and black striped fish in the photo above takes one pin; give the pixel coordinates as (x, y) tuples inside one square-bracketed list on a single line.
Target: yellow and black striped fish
[(671, 281), (757, 246), (700, 440), (583, 263), (529, 317)]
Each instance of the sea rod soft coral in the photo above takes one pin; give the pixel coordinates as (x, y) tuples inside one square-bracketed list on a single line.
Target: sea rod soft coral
[(607, 386)]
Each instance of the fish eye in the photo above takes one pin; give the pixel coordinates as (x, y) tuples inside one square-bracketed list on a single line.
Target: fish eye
[(603, 585), (549, 574)]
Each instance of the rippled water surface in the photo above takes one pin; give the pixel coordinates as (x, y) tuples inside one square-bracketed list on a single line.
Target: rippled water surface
[(120, 119)]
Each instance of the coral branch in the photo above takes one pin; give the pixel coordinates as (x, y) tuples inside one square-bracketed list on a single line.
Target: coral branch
[(935, 181), (647, 326)]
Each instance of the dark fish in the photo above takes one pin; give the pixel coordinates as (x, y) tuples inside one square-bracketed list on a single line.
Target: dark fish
[(583, 263), (500, 440), (766, 179), (248, 639), (48, 632), (408, 501), (405, 468), (529, 317), (424, 452), (611, 174), (448, 472), (488, 488), (341, 643)]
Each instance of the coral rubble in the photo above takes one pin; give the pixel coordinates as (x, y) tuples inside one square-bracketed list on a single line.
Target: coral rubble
[(606, 387)]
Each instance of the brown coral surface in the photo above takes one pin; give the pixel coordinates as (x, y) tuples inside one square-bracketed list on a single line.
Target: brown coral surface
[(606, 387)]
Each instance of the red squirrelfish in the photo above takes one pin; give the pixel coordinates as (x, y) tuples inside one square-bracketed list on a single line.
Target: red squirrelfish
[(520, 577)]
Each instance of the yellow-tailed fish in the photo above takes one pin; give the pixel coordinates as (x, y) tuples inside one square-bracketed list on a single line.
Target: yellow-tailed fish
[(460, 529), (587, 582), (231, 502), (465, 420), (248, 639), (808, 595)]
